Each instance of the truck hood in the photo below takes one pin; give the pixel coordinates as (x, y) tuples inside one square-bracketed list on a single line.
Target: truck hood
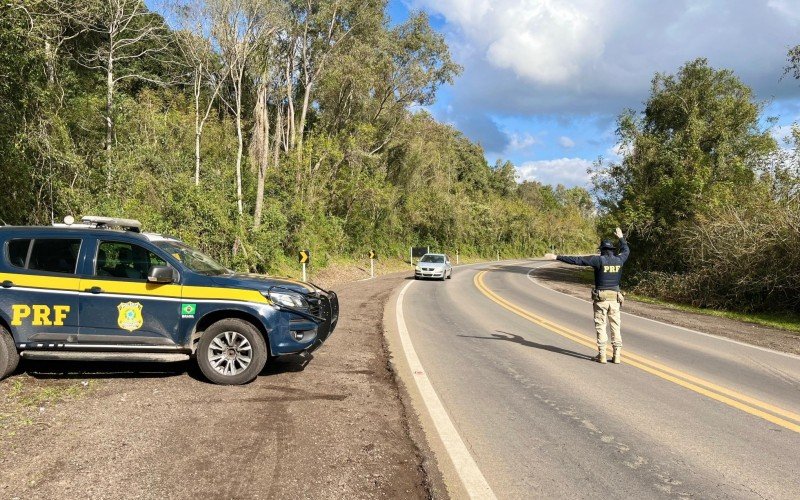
[(262, 282)]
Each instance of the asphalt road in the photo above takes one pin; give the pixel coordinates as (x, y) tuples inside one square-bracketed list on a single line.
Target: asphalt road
[(685, 415)]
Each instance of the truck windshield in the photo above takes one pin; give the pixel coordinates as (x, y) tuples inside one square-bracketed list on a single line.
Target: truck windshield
[(435, 259), (195, 260)]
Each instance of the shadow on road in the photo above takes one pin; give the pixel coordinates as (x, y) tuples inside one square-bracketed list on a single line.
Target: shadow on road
[(57, 369), (517, 339)]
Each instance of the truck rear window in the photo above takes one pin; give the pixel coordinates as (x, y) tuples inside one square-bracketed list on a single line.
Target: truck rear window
[(55, 255)]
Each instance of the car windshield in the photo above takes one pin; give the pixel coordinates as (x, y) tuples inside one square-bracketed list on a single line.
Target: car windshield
[(435, 259), (195, 260)]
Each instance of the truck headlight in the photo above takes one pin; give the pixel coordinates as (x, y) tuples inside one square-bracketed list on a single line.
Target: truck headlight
[(288, 299)]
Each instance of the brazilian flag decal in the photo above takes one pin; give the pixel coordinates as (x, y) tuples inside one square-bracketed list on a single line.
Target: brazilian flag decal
[(188, 310)]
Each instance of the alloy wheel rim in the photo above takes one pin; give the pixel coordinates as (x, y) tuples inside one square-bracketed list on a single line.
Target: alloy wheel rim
[(230, 353)]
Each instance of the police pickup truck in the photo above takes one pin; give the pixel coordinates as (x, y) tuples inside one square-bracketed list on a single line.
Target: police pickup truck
[(103, 286)]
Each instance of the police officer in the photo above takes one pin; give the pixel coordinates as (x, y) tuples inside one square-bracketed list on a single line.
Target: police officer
[(606, 294)]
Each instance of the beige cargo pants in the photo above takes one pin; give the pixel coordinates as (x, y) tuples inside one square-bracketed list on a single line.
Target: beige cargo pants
[(606, 312)]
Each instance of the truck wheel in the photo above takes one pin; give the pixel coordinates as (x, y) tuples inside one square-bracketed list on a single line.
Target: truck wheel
[(9, 357), (231, 352)]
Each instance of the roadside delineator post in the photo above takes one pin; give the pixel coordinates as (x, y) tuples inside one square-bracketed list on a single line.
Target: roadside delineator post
[(372, 257), (304, 257), (456, 256)]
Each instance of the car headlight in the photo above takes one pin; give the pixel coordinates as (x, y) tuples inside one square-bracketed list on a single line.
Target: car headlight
[(419, 268), (287, 299)]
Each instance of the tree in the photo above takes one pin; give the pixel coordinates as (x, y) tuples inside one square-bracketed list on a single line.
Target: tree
[(793, 66), (240, 28), (697, 144), (208, 74), (127, 32)]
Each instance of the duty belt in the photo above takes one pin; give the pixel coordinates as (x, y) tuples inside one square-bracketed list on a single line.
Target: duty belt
[(605, 295)]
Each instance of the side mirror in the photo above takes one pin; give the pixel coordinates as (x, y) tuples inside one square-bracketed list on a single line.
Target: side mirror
[(161, 274)]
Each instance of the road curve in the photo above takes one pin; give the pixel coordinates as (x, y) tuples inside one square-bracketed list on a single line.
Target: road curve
[(686, 414)]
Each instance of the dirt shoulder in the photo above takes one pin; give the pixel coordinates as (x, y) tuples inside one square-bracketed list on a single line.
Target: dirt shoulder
[(567, 279), (334, 427)]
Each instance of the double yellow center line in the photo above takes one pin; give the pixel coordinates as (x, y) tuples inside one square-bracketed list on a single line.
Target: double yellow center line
[(753, 406)]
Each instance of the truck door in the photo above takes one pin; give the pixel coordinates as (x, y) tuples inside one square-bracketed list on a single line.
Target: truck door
[(120, 307), (39, 293)]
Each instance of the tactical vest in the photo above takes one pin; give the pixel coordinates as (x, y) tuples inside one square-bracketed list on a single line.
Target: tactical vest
[(608, 274)]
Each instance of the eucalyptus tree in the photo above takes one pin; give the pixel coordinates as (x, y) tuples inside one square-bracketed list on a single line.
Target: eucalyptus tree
[(208, 73), (240, 28)]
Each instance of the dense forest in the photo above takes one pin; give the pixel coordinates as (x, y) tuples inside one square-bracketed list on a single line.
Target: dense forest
[(253, 128), (711, 200)]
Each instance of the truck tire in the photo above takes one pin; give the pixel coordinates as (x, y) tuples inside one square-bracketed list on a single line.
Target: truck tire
[(9, 357), (231, 352)]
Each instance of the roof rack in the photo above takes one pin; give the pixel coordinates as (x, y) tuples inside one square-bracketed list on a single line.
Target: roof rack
[(131, 225)]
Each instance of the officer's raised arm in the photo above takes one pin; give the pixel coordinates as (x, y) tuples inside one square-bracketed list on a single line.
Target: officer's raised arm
[(624, 249)]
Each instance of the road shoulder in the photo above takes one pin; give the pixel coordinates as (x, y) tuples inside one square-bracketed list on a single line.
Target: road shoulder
[(334, 427), (565, 279)]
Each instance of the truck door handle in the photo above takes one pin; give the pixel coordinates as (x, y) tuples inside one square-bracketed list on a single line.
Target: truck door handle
[(8, 284), (94, 289)]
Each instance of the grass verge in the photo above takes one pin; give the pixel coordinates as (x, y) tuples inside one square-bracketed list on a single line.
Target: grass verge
[(782, 321)]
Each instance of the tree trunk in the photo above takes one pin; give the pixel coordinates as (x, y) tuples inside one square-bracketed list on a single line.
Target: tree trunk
[(276, 151), (239, 153), (262, 126), (50, 63), (197, 128), (303, 113), (109, 114)]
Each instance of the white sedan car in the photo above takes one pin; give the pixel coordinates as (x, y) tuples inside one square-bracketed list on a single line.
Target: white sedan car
[(434, 265)]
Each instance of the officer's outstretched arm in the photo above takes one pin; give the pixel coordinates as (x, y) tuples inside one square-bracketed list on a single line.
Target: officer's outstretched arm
[(575, 260)]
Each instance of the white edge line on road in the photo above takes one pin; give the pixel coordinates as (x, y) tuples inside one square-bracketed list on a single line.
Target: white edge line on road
[(465, 466), (724, 339)]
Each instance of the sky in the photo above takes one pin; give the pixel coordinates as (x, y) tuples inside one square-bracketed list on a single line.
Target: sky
[(544, 80)]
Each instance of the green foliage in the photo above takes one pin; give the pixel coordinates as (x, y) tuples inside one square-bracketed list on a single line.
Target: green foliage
[(366, 172), (709, 199), (696, 146)]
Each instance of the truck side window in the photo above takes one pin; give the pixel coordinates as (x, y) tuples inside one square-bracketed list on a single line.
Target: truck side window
[(55, 255), (18, 252), (119, 259)]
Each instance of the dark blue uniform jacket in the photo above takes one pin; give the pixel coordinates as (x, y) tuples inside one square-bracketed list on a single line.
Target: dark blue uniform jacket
[(607, 268)]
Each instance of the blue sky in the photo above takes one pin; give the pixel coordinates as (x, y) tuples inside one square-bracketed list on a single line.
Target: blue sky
[(544, 79)]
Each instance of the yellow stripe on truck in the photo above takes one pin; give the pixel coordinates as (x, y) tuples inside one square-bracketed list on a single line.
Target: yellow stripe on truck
[(135, 288), (48, 282), (207, 292)]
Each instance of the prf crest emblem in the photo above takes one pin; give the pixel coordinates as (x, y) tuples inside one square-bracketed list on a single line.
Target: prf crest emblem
[(130, 316)]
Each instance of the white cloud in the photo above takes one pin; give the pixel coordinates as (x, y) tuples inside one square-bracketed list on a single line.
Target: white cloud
[(597, 57), (518, 142), (567, 171), (787, 8), (566, 142), (543, 41)]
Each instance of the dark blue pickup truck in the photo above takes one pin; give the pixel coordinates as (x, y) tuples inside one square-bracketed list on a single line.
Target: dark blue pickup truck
[(103, 286)]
